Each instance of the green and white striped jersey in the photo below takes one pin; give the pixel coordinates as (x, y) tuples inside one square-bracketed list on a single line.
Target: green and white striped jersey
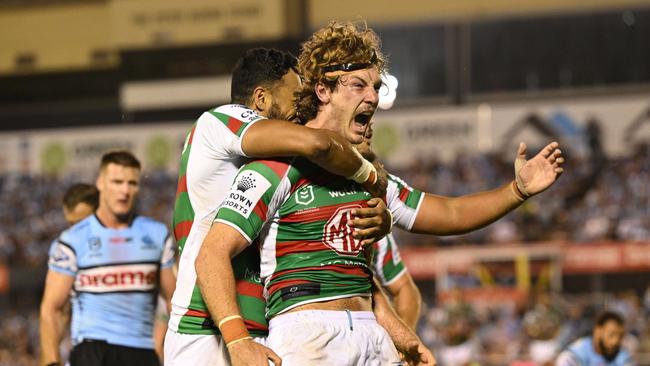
[(211, 157)]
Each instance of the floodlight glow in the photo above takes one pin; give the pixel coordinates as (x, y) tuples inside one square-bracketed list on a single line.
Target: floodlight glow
[(388, 91)]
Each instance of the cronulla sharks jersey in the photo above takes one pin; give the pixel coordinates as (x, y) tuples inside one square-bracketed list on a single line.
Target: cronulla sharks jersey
[(116, 278)]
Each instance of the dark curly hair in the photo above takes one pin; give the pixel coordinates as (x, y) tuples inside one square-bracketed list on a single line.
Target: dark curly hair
[(337, 43), (259, 67)]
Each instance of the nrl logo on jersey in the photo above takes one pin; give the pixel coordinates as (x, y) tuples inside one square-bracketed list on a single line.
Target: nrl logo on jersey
[(305, 195), (338, 235), (94, 243)]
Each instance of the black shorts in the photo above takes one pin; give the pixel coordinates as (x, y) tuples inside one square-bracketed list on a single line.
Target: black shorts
[(100, 353)]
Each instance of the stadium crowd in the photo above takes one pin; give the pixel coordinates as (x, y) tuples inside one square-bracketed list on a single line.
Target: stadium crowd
[(598, 199), (607, 200), (531, 333)]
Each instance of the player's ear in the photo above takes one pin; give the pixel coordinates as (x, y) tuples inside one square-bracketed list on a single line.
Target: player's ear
[(322, 92), (261, 99), (99, 182)]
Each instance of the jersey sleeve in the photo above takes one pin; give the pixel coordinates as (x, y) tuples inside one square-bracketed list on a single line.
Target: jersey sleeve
[(403, 201), (168, 252), (62, 258), (387, 263), (255, 196), (222, 129)]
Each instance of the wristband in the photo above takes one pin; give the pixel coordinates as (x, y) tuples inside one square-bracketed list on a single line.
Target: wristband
[(521, 197), (520, 187), (233, 328), (372, 177), (227, 319), (238, 340), (366, 172)]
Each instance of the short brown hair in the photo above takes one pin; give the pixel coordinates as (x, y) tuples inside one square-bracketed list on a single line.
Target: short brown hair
[(120, 157), (335, 44), (81, 193)]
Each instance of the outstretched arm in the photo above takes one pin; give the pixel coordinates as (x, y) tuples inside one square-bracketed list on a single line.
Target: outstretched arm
[(328, 149), (441, 215)]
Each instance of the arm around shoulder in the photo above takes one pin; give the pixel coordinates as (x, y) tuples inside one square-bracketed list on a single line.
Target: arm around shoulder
[(274, 138)]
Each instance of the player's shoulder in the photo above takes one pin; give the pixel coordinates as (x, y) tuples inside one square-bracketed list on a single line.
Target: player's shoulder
[(149, 224), (236, 111), (581, 342), (78, 233), (394, 179), (273, 169), (580, 348), (624, 357)]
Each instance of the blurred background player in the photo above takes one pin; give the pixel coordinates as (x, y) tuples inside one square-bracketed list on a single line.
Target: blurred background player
[(79, 201), (263, 84), (115, 261), (603, 347)]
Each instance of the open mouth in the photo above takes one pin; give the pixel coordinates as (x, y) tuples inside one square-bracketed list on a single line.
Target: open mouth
[(362, 119)]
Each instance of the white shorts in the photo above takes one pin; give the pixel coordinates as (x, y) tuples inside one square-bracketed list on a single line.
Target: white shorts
[(322, 337), (197, 350)]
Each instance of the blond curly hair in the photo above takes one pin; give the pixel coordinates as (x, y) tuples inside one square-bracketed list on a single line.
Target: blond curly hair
[(337, 43)]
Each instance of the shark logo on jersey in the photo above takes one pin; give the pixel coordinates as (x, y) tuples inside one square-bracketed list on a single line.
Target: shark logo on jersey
[(248, 189), (147, 242)]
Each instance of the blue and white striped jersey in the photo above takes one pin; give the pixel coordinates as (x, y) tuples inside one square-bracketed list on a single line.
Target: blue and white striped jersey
[(116, 278)]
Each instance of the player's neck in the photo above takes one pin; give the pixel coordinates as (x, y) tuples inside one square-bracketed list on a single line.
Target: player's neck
[(324, 120), (110, 220)]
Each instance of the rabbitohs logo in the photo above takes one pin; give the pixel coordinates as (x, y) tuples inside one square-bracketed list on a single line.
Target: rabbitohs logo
[(338, 235)]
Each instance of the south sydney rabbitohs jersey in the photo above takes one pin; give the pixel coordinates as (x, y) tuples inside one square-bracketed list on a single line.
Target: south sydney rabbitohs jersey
[(387, 262), (115, 278), (308, 253), (211, 157)]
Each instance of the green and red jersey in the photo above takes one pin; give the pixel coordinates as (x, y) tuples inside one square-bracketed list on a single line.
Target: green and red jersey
[(210, 160), (300, 212), (387, 262)]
